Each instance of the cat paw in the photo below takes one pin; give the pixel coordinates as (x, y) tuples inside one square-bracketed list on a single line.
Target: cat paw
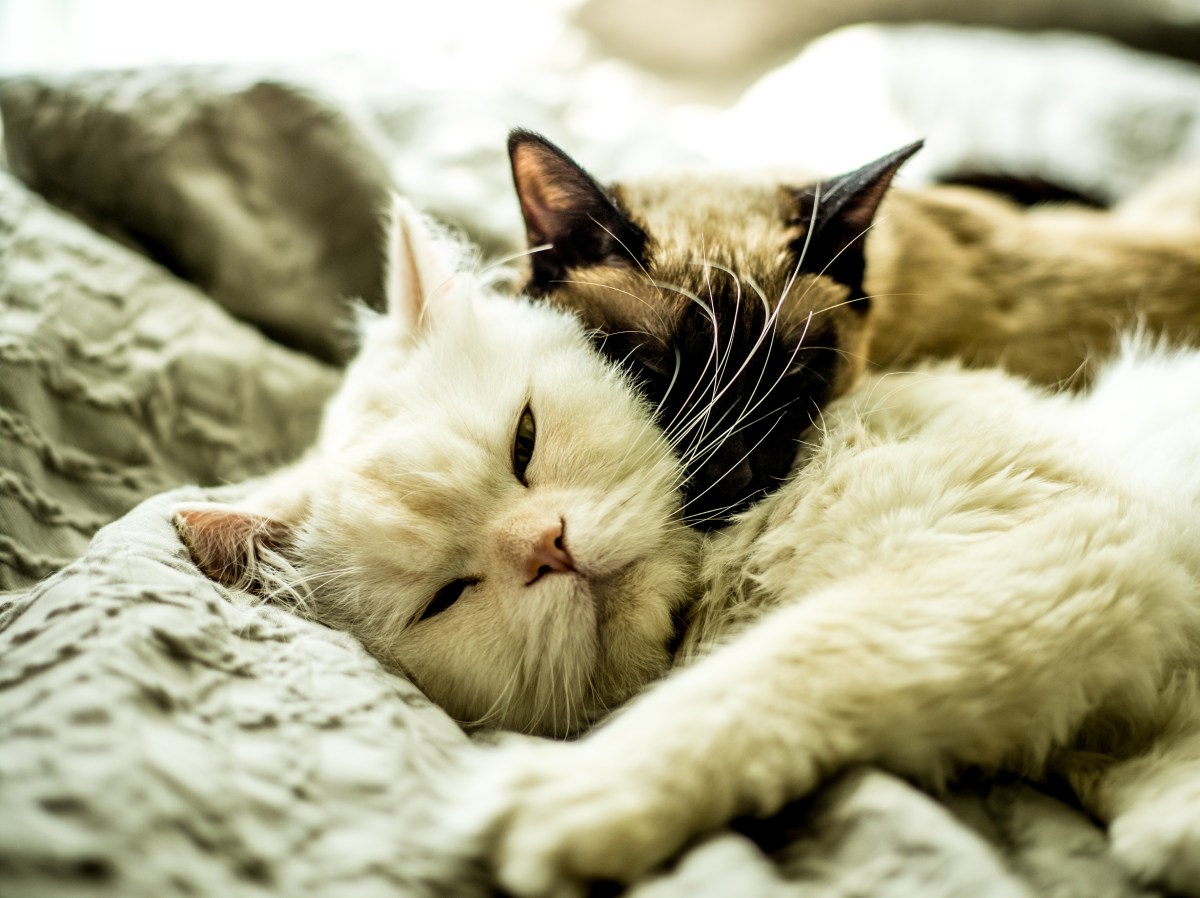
[(558, 816), (1161, 849)]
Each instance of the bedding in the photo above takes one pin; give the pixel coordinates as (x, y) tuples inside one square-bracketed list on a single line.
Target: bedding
[(176, 251)]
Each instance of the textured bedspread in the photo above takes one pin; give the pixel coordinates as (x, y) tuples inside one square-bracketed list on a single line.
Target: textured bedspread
[(163, 735), (175, 326)]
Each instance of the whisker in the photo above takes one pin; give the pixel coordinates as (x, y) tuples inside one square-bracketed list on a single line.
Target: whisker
[(812, 221), (656, 309), (622, 245)]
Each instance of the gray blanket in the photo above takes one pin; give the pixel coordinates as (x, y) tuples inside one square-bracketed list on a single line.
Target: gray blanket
[(160, 734)]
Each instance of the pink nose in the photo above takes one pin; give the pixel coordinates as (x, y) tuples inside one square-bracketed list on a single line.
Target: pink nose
[(549, 554)]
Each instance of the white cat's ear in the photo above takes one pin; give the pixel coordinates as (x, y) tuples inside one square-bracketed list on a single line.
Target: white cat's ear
[(422, 267), (227, 542), (240, 544)]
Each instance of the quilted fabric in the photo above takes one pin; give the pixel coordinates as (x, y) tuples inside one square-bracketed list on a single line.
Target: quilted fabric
[(118, 381), (162, 735), (165, 737), (266, 198)]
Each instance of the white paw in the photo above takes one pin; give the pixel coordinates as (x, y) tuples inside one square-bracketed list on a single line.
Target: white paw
[(1161, 849), (556, 816)]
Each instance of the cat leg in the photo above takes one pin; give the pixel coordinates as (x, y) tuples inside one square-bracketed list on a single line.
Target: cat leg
[(921, 671), (1152, 800)]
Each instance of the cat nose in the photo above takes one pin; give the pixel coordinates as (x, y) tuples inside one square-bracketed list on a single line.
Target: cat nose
[(549, 554)]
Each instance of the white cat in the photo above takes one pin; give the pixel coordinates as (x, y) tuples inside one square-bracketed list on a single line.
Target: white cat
[(489, 506), (964, 571)]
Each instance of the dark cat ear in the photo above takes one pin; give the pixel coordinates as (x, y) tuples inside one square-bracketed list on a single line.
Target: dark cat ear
[(834, 216), (566, 209)]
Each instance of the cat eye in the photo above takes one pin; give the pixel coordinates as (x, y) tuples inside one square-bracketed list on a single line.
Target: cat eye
[(523, 442), (445, 597)]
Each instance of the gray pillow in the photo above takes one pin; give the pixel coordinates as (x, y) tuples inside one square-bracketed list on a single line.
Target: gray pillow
[(257, 191), (118, 381)]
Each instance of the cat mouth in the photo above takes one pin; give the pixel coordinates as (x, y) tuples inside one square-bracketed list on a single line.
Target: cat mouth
[(573, 572), (599, 588), (547, 572)]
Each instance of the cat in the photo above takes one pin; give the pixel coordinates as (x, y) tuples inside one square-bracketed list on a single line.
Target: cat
[(813, 284), (965, 571), (962, 571), (737, 305), (488, 506)]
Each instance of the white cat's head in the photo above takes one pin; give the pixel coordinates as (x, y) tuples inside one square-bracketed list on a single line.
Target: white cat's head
[(489, 506)]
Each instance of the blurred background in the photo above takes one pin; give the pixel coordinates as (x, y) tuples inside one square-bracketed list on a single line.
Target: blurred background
[(59, 35), (135, 114), (689, 56), (142, 117), (1093, 94), (707, 45)]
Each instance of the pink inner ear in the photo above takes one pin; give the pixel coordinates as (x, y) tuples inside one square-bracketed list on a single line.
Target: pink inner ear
[(422, 262), (540, 190), (225, 541)]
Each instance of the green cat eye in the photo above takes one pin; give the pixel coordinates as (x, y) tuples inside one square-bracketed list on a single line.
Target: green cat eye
[(523, 444)]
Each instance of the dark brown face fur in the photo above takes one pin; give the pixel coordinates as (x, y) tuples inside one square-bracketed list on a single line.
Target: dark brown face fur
[(737, 310)]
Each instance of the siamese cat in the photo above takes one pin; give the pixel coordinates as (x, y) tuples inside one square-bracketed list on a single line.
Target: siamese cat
[(848, 274), (963, 571)]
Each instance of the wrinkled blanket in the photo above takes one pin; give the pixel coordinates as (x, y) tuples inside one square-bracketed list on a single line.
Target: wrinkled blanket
[(170, 320)]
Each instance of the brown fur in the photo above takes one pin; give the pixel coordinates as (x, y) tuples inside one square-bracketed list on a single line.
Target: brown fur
[(956, 272), (772, 295), (681, 216), (737, 341), (952, 272)]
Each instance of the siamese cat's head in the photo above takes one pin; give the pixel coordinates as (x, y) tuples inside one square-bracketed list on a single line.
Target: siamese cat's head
[(489, 506), (736, 303)]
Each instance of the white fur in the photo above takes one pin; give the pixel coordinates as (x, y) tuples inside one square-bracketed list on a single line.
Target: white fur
[(964, 571), (411, 485)]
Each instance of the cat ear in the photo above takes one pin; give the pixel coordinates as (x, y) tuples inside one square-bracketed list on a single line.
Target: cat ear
[(229, 542), (835, 215), (422, 264), (566, 210)]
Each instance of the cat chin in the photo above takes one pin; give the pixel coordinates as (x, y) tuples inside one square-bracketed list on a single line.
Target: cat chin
[(576, 600), (587, 647)]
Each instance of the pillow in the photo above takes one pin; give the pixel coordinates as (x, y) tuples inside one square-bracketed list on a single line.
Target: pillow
[(118, 381), (255, 190)]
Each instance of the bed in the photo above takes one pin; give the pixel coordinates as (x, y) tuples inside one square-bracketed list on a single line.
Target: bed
[(179, 249)]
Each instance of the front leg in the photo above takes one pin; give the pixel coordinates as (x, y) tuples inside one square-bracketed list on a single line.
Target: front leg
[(741, 731), (921, 671), (1151, 799), (677, 762)]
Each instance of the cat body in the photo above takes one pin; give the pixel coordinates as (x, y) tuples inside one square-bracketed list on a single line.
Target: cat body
[(1044, 292), (837, 277), (965, 572)]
